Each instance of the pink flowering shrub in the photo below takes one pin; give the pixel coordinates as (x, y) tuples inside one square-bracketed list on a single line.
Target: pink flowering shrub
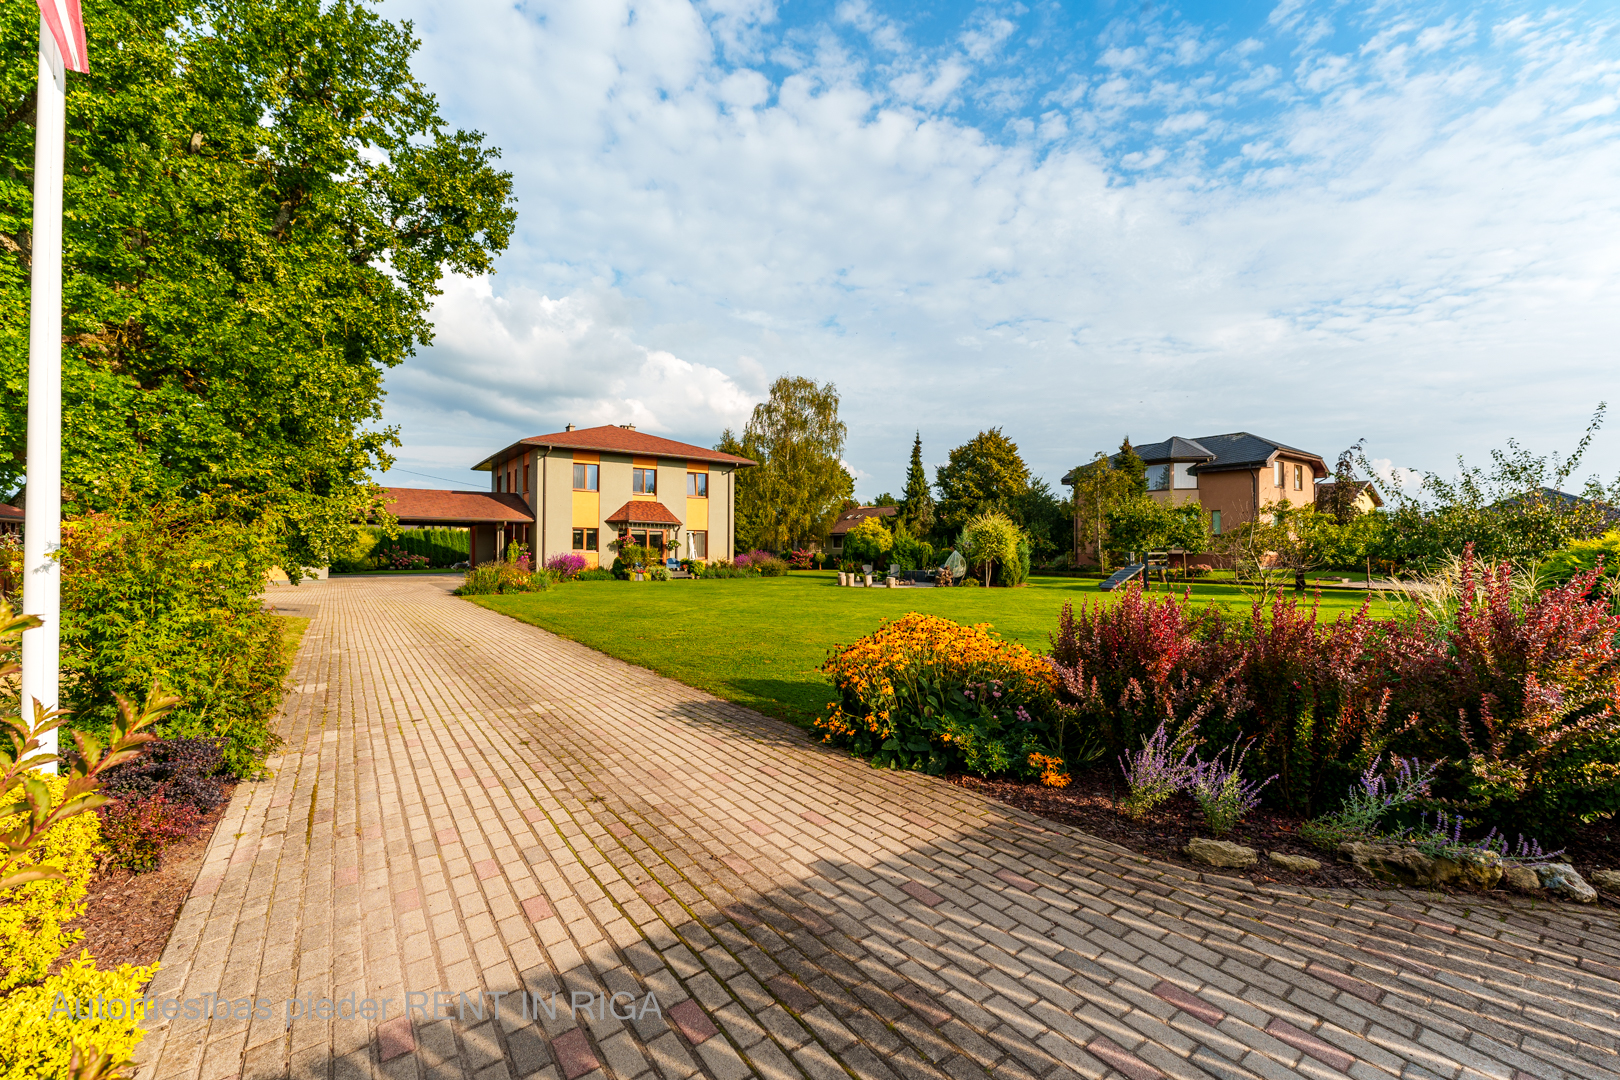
[(1518, 701), (566, 565)]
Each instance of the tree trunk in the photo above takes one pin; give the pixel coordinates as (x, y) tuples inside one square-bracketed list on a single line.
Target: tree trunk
[(1299, 580)]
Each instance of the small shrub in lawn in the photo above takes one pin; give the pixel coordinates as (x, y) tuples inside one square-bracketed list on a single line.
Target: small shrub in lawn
[(1160, 769), (594, 574), (802, 558)]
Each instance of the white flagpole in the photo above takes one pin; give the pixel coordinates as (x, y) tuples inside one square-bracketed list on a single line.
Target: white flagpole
[(42, 523)]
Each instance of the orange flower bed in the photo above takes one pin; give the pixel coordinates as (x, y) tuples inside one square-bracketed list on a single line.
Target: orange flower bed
[(925, 692)]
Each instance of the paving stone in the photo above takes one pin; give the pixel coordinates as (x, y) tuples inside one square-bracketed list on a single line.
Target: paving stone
[(466, 797)]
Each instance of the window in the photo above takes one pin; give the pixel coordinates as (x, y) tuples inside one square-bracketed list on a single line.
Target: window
[(1215, 522), (698, 542), (697, 486), (585, 539), (1277, 470), (1184, 476), (1158, 477), (1299, 478), (586, 477), (644, 481)]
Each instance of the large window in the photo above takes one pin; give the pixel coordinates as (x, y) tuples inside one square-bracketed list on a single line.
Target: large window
[(1158, 477), (586, 539), (586, 477), (644, 481), (1299, 478), (697, 485), (698, 544), (1185, 477)]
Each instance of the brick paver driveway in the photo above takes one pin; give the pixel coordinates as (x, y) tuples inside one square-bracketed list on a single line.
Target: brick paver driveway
[(470, 806)]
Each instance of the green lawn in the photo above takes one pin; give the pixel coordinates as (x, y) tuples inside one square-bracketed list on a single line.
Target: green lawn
[(759, 641)]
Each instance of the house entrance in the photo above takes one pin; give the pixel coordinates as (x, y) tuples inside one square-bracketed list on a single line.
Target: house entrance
[(650, 538)]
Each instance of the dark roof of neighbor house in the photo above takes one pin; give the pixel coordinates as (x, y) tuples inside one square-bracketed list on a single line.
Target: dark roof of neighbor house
[(642, 512), (419, 506), (1324, 490), (615, 439), (851, 518), (1237, 450), (11, 513)]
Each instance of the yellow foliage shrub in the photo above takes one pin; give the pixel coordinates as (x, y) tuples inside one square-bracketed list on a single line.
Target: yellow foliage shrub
[(35, 1044), (33, 916)]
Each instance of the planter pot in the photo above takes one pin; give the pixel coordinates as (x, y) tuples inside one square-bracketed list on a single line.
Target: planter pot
[(841, 576), (868, 581)]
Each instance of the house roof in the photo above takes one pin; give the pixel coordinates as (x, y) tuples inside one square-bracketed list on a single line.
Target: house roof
[(642, 512), (1241, 450), (616, 440), (1175, 448), (1238, 450), (419, 506), (851, 518), (11, 513), (1324, 490)]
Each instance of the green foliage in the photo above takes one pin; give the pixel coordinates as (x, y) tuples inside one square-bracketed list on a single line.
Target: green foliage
[(911, 553), (1580, 556), (917, 503), (1100, 487), (171, 594), (983, 475), (355, 555), (1514, 512), (262, 200), (440, 547), (511, 575), (1142, 524), (993, 543), (1132, 469), (869, 541), (796, 492)]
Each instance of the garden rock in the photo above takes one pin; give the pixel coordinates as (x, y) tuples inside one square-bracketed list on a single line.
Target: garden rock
[(1607, 879), (1403, 864), (1219, 853), (1298, 864), (1560, 879), (1522, 878)]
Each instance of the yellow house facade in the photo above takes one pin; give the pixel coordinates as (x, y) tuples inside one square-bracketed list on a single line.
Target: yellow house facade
[(587, 489)]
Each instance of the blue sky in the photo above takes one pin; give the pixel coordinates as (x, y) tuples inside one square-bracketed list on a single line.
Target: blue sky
[(1075, 221)]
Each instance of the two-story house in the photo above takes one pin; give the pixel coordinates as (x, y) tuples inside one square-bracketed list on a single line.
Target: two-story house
[(1234, 476), (583, 489)]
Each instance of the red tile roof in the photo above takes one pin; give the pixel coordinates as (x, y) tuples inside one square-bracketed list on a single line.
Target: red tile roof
[(11, 513), (619, 440), (643, 512), (850, 518), (425, 505)]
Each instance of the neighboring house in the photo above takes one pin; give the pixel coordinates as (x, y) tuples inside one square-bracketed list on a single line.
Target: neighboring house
[(11, 519), (1232, 476), (851, 518), (585, 489), (1366, 501)]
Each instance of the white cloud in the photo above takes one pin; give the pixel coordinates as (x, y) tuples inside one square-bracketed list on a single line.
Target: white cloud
[(1298, 236)]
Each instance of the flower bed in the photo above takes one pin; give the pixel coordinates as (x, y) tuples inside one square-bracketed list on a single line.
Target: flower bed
[(926, 693)]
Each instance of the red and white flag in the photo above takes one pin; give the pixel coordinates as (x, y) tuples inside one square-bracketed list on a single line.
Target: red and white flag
[(67, 27)]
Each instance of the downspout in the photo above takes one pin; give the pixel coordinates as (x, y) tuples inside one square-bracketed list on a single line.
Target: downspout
[(540, 560)]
